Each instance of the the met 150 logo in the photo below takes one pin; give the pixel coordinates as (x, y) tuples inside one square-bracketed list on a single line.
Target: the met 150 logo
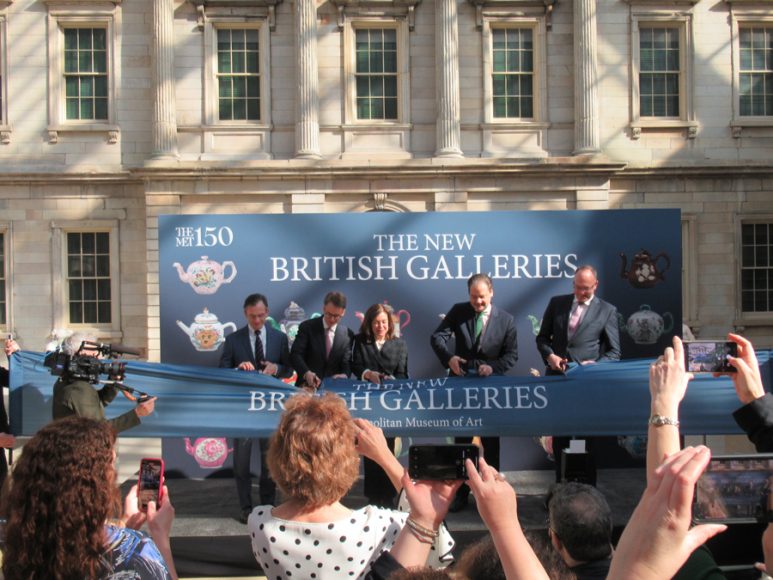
[(206, 237)]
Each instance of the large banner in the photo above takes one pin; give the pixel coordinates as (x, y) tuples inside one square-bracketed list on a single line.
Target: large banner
[(604, 399), (418, 263)]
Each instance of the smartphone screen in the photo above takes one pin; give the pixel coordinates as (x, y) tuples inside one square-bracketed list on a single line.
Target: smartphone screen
[(440, 461), (734, 488), (151, 482), (709, 356)]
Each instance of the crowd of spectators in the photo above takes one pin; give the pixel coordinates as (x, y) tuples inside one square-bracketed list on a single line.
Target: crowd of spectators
[(64, 518)]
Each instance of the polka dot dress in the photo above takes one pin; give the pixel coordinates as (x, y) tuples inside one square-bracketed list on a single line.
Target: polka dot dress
[(345, 548)]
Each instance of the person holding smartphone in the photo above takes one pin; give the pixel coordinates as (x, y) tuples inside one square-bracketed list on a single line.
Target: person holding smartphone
[(485, 343), (62, 517), (378, 356)]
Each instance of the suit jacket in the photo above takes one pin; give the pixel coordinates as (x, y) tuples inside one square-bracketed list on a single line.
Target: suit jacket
[(238, 349), (596, 338), (308, 352), (77, 397), (498, 347), (392, 359), (756, 418)]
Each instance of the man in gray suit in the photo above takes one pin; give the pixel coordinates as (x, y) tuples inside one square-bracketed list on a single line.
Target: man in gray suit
[(579, 328), (258, 348)]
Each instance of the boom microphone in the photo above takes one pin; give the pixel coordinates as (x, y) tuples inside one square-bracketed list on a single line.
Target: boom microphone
[(121, 349)]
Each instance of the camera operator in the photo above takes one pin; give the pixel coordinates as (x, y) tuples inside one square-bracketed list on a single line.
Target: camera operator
[(76, 396)]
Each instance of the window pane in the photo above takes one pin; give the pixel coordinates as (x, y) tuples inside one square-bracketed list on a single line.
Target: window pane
[(90, 312), (103, 265), (90, 289), (104, 312)]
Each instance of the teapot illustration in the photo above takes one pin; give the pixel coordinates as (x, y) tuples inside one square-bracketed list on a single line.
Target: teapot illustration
[(397, 318), (206, 333), (644, 271), (209, 452), (294, 315), (205, 276), (645, 326)]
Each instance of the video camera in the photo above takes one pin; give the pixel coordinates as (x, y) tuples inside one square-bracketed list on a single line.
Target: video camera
[(88, 368)]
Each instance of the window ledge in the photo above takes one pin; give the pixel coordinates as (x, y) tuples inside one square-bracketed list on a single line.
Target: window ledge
[(738, 124), (377, 126), (663, 124), (111, 131), (515, 126), (760, 319), (235, 128), (5, 134)]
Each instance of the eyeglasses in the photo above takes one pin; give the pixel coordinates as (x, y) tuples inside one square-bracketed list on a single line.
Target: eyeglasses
[(584, 288), (333, 316)]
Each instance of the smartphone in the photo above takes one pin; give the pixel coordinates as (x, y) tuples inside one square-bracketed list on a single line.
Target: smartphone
[(440, 461), (151, 482), (734, 488), (709, 356), (8, 336)]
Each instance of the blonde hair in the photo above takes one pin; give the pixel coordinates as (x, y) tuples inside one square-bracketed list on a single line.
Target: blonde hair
[(312, 455)]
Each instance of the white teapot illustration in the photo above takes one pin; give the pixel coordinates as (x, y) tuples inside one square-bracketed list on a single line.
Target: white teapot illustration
[(206, 332), (205, 276)]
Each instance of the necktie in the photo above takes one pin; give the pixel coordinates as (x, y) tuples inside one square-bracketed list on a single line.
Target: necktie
[(574, 321), (328, 341), (478, 325), (258, 349)]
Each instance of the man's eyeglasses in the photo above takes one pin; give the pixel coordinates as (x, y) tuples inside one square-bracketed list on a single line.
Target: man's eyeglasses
[(333, 316)]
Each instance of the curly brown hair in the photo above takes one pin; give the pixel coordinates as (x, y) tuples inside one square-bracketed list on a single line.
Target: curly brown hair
[(312, 456), (366, 329), (62, 491)]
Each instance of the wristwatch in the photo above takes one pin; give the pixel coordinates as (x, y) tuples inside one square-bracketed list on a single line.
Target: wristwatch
[(660, 420)]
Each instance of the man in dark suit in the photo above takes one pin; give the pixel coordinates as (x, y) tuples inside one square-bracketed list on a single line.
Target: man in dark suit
[(485, 343), (256, 347), (580, 328), (323, 347)]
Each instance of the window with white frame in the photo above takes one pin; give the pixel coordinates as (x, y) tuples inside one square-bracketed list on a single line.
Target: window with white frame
[(89, 286), (757, 267), (85, 74), (376, 73), (376, 70), (512, 74), (84, 66), (660, 71), (755, 71), (86, 290), (662, 65), (238, 74)]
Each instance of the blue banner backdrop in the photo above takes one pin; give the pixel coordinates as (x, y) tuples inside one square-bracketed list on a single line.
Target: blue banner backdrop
[(418, 263), (604, 399)]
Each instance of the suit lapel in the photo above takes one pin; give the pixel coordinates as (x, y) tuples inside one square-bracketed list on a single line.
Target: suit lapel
[(249, 347), (589, 315)]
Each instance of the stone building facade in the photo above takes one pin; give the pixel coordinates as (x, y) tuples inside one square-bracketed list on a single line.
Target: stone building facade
[(113, 112)]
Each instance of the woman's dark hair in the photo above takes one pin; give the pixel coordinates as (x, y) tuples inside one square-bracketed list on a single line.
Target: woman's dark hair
[(366, 328), (62, 491)]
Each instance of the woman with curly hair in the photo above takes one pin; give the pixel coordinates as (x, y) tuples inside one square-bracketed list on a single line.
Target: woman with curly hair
[(313, 457), (63, 490)]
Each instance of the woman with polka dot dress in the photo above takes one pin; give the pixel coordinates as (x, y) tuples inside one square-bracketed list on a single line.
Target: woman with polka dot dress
[(313, 457)]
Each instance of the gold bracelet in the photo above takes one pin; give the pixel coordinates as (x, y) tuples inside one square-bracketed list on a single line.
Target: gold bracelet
[(418, 535)]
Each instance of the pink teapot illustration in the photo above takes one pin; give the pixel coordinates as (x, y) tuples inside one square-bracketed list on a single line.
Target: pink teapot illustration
[(209, 452), (401, 318), (206, 332), (644, 271), (205, 276)]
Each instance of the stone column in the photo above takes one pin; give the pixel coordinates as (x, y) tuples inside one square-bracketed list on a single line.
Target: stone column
[(307, 110), (164, 121), (448, 128), (586, 98)]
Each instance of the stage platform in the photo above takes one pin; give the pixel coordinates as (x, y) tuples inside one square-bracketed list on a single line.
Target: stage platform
[(208, 540)]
